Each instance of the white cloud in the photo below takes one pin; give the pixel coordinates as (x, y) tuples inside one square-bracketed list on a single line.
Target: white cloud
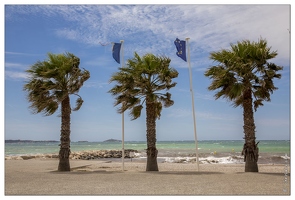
[(15, 65), (15, 75), (152, 28), (179, 113), (272, 122), (95, 84), (204, 96), (214, 116), (200, 115), (21, 53), (15, 71)]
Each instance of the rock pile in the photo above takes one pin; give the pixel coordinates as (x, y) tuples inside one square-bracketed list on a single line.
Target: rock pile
[(89, 155), (83, 155)]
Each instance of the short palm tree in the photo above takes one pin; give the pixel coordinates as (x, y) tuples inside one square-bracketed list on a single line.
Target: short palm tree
[(144, 80), (244, 75), (51, 83)]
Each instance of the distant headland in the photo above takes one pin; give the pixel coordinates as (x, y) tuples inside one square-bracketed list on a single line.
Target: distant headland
[(112, 140)]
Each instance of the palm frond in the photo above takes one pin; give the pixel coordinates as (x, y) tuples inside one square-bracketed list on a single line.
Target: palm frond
[(79, 103), (135, 112)]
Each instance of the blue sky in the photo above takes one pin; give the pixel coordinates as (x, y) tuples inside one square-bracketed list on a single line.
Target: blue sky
[(31, 31)]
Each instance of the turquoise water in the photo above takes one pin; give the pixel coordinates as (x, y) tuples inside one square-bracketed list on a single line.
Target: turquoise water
[(164, 147)]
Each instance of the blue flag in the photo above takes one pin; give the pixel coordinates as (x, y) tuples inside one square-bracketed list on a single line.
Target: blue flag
[(116, 52), (181, 49)]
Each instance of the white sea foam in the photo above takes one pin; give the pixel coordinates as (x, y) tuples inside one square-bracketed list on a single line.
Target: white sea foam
[(136, 155), (286, 157), (206, 160)]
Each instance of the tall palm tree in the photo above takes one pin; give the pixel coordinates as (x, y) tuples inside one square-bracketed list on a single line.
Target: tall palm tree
[(144, 80), (245, 76), (51, 83)]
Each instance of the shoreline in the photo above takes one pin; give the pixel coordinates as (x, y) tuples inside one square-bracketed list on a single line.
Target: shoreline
[(131, 154), (105, 177)]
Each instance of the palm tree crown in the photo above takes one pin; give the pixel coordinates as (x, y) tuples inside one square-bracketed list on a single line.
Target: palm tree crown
[(242, 68), (52, 80), (143, 80)]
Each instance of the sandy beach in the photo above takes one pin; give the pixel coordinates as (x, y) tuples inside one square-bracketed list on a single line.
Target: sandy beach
[(104, 177)]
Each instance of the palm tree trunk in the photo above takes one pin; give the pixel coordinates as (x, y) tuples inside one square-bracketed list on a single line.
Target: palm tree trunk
[(64, 152), (151, 150), (250, 150)]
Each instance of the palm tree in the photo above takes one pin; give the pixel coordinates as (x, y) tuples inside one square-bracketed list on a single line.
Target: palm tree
[(144, 80), (244, 75), (51, 83)]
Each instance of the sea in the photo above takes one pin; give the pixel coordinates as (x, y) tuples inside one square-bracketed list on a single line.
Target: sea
[(209, 151)]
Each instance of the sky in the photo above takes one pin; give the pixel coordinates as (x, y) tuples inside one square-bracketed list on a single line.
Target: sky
[(87, 31)]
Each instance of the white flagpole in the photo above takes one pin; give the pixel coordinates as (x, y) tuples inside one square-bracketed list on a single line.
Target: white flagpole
[(123, 151), (193, 107)]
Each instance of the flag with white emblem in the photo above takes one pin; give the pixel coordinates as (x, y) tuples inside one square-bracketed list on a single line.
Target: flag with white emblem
[(180, 46)]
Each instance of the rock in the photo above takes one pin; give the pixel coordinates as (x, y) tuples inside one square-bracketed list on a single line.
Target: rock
[(55, 156), (27, 157)]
